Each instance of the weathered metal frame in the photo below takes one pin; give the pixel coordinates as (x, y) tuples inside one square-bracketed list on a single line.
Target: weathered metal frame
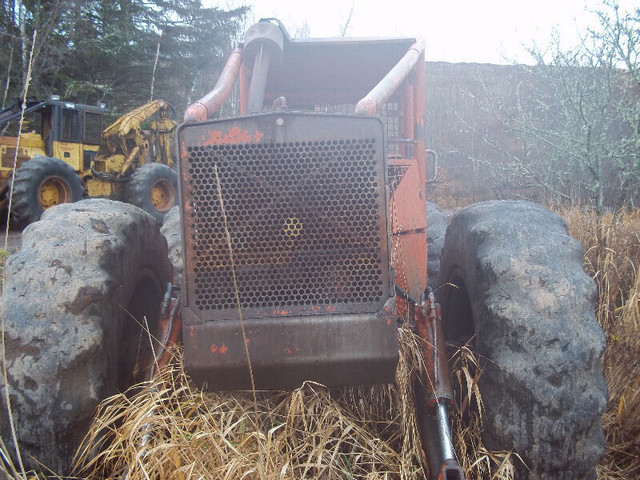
[(404, 84)]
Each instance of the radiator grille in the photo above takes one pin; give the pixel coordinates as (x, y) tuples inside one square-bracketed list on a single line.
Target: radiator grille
[(306, 220)]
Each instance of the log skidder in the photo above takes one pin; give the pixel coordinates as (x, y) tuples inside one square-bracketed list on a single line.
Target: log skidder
[(305, 242), (512, 284)]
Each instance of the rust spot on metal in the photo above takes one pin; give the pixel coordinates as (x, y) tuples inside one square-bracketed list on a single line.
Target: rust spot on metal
[(233, 135), (222, 349), (184, 152), (290, 349)]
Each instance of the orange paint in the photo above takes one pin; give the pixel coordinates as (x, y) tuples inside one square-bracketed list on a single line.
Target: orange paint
[(233, 135), (222, 349), (191, 330), (290, 349), (184, 153)]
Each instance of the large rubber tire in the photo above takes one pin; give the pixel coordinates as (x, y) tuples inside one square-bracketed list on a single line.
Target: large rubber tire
[(86, 274), (154, 188), (172, 231), (436, 229), (41, 183), (522, 296)]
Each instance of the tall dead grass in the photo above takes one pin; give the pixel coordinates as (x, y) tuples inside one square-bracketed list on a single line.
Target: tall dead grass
[(168, 429), (612, 256)]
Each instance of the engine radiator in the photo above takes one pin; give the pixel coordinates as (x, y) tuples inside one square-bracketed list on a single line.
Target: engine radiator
[(284, 221)]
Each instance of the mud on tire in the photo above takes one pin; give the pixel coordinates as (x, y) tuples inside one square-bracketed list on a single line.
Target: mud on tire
[(84, 272), (154, 188), (172, 231), (524, 299), (40, 183)]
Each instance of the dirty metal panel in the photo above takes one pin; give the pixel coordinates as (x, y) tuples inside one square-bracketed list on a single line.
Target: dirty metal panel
[(8, 156), (409, 228), (330, 349), (408, 202), (305, 206), (410, 263)]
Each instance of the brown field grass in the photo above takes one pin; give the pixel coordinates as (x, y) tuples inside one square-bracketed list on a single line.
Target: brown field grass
[(612, 257), (169, 429)]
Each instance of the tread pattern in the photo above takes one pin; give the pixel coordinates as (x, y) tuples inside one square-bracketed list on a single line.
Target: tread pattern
[(532, 312), (67, 304)]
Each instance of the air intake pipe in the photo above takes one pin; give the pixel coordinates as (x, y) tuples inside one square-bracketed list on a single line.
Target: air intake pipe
[(203, 108), (263, 52)]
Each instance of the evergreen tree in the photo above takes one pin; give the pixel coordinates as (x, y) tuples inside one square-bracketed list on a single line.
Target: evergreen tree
[(105, 50)]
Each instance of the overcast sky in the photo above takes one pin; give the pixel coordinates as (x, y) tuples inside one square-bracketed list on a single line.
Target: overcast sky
[(491, 31)]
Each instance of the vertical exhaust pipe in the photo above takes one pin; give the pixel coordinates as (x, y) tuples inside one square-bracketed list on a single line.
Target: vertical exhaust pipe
[(263, 52)]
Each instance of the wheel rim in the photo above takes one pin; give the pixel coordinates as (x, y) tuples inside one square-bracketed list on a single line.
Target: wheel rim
[(53, 191), (163, 195)]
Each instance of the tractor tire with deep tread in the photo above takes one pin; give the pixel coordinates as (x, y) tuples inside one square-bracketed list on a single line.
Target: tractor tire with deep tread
[(41, 183), (154, 188), (84, 273), (523, 299)]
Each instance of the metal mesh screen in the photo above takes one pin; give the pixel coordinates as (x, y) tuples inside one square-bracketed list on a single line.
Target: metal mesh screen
[(306, 218), (92, 128), (69, 125)]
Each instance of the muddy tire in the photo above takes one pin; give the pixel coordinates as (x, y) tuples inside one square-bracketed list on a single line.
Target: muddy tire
[(523, 298), (41, 183), (436, 229), (86, 273), (154, 188), (172, 231)]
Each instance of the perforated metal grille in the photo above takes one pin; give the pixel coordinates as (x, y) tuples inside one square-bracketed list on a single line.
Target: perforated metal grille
[(92, 128), (307, 226)]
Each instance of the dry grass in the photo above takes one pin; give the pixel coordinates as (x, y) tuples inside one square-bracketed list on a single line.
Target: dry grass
[(168, 429), (171, 430), (612, 256), (475, 459)]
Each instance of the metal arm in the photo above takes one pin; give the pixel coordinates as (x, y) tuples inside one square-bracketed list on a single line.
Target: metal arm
[(377, 97), (435, 394)]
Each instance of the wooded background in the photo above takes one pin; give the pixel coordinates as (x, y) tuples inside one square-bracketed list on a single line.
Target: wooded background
[(104, 50)]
